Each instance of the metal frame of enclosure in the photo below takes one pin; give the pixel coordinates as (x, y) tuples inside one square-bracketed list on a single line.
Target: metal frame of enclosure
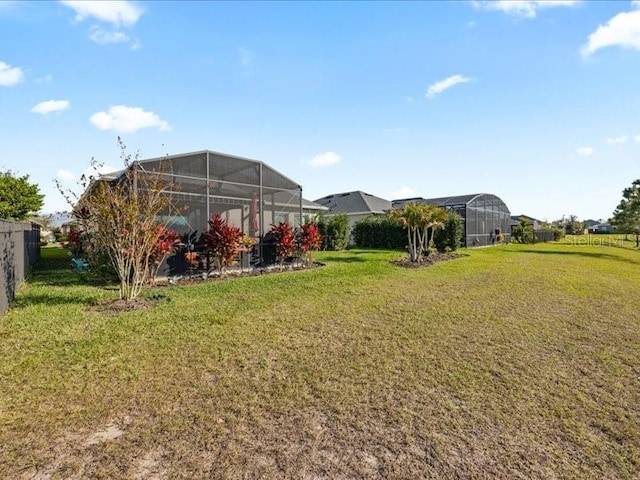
[(246, 193), (484, 216)]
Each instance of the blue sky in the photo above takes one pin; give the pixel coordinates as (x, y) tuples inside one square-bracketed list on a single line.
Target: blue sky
[(537, 102)]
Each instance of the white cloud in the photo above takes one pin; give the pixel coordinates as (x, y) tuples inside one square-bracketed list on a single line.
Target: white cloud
[(585, 151), (98, 171), (521, 8), (65, 176), (116, 12), (635, 3), (122, 118), (637, 138), (617, 140), (10, 76), (104, 37), (404, 192), (45, 80), (325, 159), (443, 85), (51, 106), (623, 31)]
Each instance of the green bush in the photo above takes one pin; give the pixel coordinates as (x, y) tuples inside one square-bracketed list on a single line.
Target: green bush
[(558, 233), (335, 231), (523, 232), (449, 237), (379, 232)]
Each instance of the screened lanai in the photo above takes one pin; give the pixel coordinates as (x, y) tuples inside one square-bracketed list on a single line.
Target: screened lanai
[(484, 216), (247, 193)]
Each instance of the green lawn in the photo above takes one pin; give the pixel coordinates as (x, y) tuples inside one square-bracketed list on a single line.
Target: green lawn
[(511, 362)]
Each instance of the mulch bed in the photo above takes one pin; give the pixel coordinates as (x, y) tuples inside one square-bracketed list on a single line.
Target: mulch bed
[(118, 306), (432, 259)]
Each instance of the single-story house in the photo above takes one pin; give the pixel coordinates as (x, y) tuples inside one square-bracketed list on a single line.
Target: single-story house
[(356, 205)]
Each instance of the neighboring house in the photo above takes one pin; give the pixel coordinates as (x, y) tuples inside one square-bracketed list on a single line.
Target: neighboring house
[(600, 228), (356, 205), (47, 236), (484, 216), (246, 193), (537, 224), (590, 223)]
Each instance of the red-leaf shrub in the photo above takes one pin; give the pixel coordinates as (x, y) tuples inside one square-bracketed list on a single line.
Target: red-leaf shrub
[(222, 240), (285, 239), (167, 243), (74, 242), (309, 238)]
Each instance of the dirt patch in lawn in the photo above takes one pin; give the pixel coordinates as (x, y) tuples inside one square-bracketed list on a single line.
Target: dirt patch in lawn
[(113, 307), (432, 259)]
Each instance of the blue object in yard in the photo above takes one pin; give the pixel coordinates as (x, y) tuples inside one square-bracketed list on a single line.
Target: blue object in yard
[(79, 264)]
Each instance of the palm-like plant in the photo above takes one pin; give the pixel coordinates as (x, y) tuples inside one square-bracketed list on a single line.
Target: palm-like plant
[(420, 220)]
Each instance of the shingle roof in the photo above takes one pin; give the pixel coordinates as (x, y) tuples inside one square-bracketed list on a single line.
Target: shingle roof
[(438, 202), (354, 202), (516, 218)]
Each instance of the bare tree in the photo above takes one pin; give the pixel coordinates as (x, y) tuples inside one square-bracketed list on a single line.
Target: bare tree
[(121, 214)]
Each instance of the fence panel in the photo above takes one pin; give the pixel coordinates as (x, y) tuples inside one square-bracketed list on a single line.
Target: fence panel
[(19, 250)]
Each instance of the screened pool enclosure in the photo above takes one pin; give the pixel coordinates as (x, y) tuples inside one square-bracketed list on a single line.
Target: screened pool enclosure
[(484, 215), (246, 193)]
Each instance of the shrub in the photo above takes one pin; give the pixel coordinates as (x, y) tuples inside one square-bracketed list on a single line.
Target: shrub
[(379, 232), (523, 232), (308, 239), (167, 242), (222, 241), (285, 240), (558, 234), (420, 220), (450, 236), (335, 231)]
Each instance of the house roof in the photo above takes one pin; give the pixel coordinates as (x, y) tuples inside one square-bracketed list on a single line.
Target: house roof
[(440, 201), (290, 184), (516, 219), (356, 202), (306, 204)]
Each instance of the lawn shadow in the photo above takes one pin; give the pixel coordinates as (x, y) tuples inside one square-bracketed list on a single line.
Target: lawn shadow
[(30, 299), (596, 255), (348, 258), (53, 269)]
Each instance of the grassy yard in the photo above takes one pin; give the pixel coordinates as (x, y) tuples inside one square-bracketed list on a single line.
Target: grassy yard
[(511, 362)]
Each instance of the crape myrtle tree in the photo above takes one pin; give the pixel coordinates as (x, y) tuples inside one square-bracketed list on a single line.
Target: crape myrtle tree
[(121, 219), (626, 217), (420, 220), (18, 198)]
